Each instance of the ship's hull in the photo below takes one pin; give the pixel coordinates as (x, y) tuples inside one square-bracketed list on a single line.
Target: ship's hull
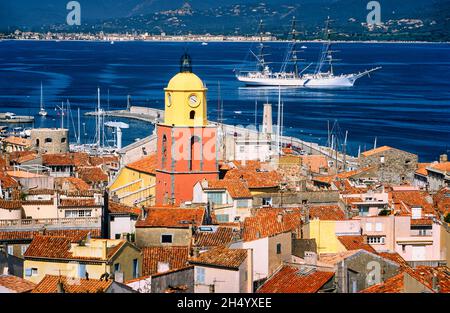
[(331, 81), (262, 81)]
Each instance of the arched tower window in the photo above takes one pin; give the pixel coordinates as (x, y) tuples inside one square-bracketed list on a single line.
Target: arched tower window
[(192, 115), (37, 142), (164, 151), (195, 152)]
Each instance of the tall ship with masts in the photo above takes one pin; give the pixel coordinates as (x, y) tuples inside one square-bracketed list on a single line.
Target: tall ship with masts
[(263, 74), (321, 78)]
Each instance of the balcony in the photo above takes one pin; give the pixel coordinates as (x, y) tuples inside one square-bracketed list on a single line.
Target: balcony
[(50, 223)]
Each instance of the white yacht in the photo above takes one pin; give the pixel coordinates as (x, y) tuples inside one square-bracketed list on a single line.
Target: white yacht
[(264, 76), (321, 78), (42, 111)]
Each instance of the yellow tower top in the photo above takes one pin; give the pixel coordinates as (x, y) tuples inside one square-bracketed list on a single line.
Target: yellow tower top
[(185, 98)]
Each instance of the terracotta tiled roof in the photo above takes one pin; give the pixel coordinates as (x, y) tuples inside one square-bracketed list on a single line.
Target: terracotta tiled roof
[(443, 167), (115, 207), (421, 221), (35, 192), (403, 201), (255, 178), (172, 217), (22, 156), (314, 163), (355, 243), (334, 258), (291, 280), (442, 201), (394, 256), (390, 285), (60, 159), (375, 151), (17, 141), (24, 174), (77, 202), (176, 257), (57, 247), (235, 187), (344, 175), (326, 212), (17, 284), (221, 257), (144, 165), (266, 223), (423, 274), (73, 183), (102, 160), (37, 202), (7, 181), (74, 235), (10, 204), (49, 285), (92, 174), (422, 169), (221, 237)]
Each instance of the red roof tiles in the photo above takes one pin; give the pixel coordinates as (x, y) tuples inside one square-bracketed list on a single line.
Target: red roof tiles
[(75, 235), (326, 212), (235, 187), (221, 257), (144, 165), (49, 285), (291, 280), (176, 257), (16, 284), (222, 236), (355, 243), (172, 217), (271, 222)]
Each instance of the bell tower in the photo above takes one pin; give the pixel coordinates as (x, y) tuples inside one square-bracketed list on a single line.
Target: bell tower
[(186, 151)]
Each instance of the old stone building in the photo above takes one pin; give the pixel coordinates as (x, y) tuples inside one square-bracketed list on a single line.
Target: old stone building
[(392, 165)]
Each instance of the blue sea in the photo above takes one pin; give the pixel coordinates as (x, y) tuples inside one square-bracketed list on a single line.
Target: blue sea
[(406, 104)]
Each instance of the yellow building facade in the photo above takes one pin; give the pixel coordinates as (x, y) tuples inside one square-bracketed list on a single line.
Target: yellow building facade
[(135, 183), (94, 257), (324, 232)]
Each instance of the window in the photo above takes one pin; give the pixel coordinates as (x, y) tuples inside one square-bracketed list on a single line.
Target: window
[(192, 115), (28, 272), (368, 226), (242, 203), (82, 270), (375, 240), (215, 197), (200, 275), (135, 268), (382, 159), (241, 149), (11, 250), (267, 201), (378, 227), (164, 151), (63, 140), (278, 248), (23, 248), (222, 218), (48, 140), (34, 271), (77, 213), (403, 248), (117, 267), (37, 142), (117, 236), (195, 152), (165, 238)]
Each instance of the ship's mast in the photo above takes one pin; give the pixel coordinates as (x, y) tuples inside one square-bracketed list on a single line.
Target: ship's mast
[(262, 62), (42, 98), (294, 44)]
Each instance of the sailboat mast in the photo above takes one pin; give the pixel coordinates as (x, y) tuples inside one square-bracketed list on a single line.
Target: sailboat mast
[(98, 118), (79, 134), (294, 53), (42, 98), (262, 62), (278, 120)]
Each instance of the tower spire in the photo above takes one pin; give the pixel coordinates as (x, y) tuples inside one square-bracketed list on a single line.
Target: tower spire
[(185, 63)]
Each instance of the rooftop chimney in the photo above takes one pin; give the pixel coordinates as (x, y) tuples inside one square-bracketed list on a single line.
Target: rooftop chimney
[(435, 283), (60, 287), (279, 218)]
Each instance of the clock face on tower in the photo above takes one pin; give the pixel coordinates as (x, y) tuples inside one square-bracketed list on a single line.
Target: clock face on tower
[(193, 101)]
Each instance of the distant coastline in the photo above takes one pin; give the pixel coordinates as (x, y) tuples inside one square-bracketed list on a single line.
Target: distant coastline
[(231, 40)]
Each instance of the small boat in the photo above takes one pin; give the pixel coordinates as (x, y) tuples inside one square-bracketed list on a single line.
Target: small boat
[(303, 47), (42, 111), (204, 43), (112, 42), (238, 112)]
